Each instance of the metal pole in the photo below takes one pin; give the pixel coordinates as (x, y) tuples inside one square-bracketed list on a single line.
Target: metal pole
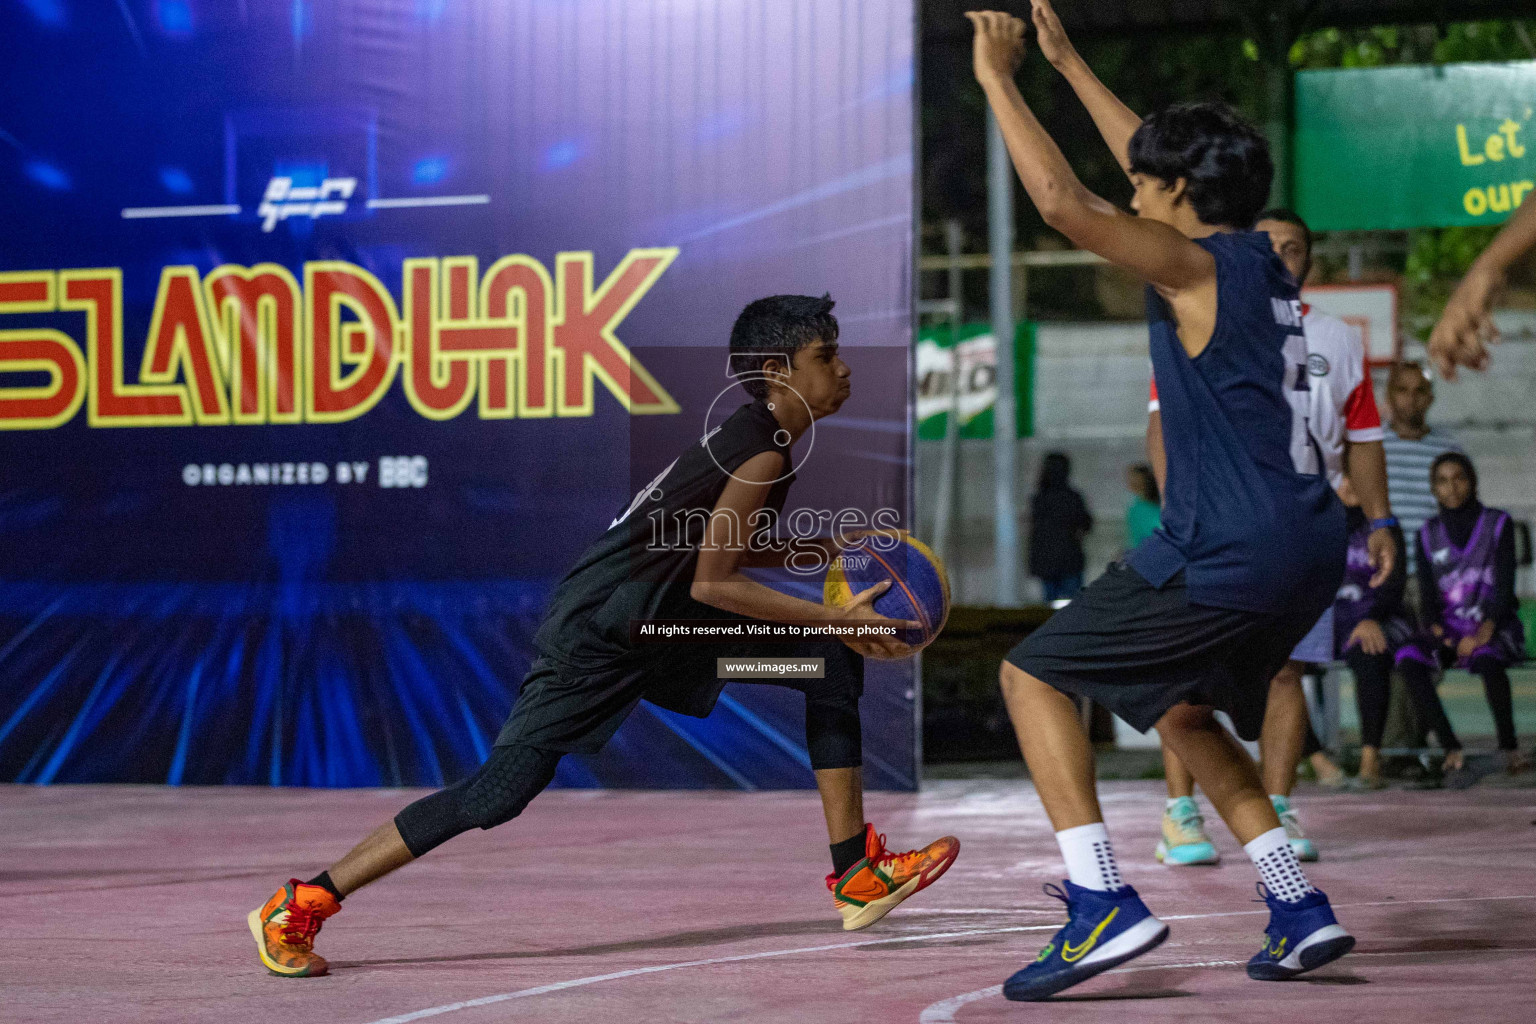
[(1277, 124), (949, 463), (954, 239), (1005, 525), (1275, 29)]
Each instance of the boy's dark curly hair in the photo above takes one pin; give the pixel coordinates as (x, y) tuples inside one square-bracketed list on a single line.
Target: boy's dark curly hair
[(1223, 159)]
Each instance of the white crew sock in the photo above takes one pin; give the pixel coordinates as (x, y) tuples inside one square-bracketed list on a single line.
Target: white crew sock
[(1090, 859), (1279, 869)]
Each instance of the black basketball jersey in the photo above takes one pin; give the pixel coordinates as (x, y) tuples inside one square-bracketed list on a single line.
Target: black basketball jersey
[(642, 567)]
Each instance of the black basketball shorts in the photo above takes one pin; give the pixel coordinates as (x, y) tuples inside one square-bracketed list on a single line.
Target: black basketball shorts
[(1138, 650)]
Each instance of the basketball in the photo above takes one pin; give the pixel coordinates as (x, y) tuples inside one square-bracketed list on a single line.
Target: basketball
[(919, 584)]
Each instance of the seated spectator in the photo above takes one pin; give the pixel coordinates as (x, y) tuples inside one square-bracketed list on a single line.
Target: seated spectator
[(1468, 612), (1368, 624), (1411, 446), (1059, 521), (1145, 512)]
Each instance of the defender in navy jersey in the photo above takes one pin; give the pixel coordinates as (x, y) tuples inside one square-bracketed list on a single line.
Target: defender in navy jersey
[(675, 552), (1251, 549), (1343, 422)]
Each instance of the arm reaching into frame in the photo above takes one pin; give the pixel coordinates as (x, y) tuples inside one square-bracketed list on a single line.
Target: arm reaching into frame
[(1366, 464), (1465, 329), (1154, 251), (1116, 121), (1157, 456)]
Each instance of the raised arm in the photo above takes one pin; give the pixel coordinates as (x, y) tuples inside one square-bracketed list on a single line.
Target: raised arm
[(1154, 251), (1116, 121), (1466, 326), (1366, 464), (1157, 456)]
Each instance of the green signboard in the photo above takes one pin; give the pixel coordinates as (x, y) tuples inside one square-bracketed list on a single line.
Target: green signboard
[(1408, 147), (970, 352)]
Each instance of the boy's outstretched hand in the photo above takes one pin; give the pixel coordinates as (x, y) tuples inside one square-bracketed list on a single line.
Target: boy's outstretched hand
[(1465, 330), (1054, 44), (998, 46), (1461, 336)]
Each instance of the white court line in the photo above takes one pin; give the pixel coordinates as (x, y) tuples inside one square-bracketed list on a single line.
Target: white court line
[(943, 1012), (397, 204), (989, 911), (150, 212), (433, 1011)]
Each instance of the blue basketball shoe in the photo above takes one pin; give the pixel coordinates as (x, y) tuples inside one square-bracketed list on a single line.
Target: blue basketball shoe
[(1301, 936), (1104, 930)]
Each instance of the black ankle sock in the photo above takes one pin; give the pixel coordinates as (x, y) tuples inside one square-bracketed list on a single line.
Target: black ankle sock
[(323, 880), (846, 854)]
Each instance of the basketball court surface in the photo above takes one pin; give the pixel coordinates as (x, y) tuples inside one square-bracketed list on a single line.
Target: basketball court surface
[(129, 903)]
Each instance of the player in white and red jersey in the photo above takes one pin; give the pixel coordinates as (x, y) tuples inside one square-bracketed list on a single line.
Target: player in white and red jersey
[(1343, 404), (1342, 438)]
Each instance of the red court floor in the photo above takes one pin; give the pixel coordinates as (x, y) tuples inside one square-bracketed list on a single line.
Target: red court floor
[(128, 904)]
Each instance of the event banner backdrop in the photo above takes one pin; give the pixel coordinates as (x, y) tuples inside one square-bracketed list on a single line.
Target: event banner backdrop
[(331, 333), (1411, 147)]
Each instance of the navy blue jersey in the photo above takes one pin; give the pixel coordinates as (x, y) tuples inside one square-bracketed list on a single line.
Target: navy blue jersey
[(1248, 514)]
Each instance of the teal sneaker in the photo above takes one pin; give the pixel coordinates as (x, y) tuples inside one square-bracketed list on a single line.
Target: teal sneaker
[(1184, 840), (1303, 847)]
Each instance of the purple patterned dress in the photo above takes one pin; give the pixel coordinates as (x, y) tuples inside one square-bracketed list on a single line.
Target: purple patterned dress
[(1465, 578), (1356, 601)]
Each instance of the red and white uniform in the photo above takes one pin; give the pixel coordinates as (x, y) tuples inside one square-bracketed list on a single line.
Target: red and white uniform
[(1343, 405)]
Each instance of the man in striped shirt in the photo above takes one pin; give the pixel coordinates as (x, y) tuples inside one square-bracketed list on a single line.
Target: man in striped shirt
[(1411, 445)]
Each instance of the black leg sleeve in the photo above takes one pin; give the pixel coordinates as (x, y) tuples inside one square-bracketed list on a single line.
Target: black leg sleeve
[(833, 734), (496, 793), (1426, 702), (1373, 689), (1500, 699)]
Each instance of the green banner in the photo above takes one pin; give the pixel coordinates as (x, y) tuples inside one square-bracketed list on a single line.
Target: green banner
[(970, 352), (1408, 147)]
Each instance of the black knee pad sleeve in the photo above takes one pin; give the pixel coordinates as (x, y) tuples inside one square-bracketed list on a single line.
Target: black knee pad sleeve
[(496, 793), (833, 734), (506, 783)]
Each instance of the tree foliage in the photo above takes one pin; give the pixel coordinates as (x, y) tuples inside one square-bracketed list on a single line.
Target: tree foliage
[(1150, 73)]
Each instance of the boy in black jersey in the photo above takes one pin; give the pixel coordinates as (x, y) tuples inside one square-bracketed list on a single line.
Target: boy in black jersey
[(590, 672)]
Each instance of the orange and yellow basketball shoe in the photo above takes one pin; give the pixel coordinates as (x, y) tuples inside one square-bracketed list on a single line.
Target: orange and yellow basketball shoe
[(286, 926), (875, 885)]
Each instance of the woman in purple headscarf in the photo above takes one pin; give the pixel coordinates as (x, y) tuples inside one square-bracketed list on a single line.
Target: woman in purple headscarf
[(1466, 566)]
